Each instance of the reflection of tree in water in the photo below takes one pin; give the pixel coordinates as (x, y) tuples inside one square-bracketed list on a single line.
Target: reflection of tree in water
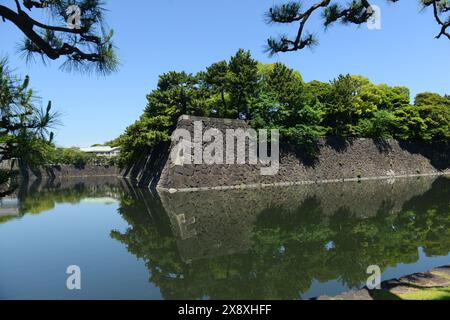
[(42, 195), (429, 218), (149, 236), (290, 246)]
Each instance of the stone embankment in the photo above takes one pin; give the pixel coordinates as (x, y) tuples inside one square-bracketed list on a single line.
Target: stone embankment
[(336, 160)]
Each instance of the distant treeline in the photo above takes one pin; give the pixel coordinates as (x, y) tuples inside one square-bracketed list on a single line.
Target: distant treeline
[(74, 156), (275, 96)]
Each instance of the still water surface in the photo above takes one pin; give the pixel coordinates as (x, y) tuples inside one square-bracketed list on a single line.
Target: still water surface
[(274, 243)]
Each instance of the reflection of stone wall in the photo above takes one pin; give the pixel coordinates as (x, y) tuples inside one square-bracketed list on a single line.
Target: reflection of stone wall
[(9, 206), (220, 222), (6, 164), (337, 161)]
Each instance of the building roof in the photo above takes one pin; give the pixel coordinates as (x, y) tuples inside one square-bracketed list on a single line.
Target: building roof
[(99, 149)]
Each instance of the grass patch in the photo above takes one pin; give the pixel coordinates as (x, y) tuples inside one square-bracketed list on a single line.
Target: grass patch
[(427, 294), (441, 274)]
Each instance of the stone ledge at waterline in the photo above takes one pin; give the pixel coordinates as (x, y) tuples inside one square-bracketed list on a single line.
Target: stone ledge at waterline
[(337, 160)]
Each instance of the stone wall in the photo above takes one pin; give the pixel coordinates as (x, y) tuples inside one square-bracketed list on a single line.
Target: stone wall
[(69, 171), (146, 171), (336, 160)]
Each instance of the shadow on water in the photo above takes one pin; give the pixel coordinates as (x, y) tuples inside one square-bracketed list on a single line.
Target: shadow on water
[(272, 243)]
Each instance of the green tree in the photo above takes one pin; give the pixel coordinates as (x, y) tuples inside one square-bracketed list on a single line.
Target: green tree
[(284, 104), (431, 99), (357, 107), (285, 84), (395, 97), (409, 125), (341, 115), (307, 131), (427, 121), (437, 120), (24, 129), (216, 80), (177, 93), (317, 90), (380, 126), (71, 156), (244, 80), (143, 136), (372, 97)]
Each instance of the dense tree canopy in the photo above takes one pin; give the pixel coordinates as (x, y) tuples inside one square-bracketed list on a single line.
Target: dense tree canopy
[(352, 12), (275, 96), (75, 31)]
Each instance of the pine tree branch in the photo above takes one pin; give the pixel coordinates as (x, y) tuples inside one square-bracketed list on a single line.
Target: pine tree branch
[(53, 46), (357, 12)]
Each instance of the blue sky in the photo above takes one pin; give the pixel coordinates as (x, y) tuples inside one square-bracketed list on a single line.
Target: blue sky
[(154, 37)]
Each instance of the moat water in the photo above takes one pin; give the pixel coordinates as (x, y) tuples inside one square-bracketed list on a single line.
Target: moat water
[(274, 243)]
